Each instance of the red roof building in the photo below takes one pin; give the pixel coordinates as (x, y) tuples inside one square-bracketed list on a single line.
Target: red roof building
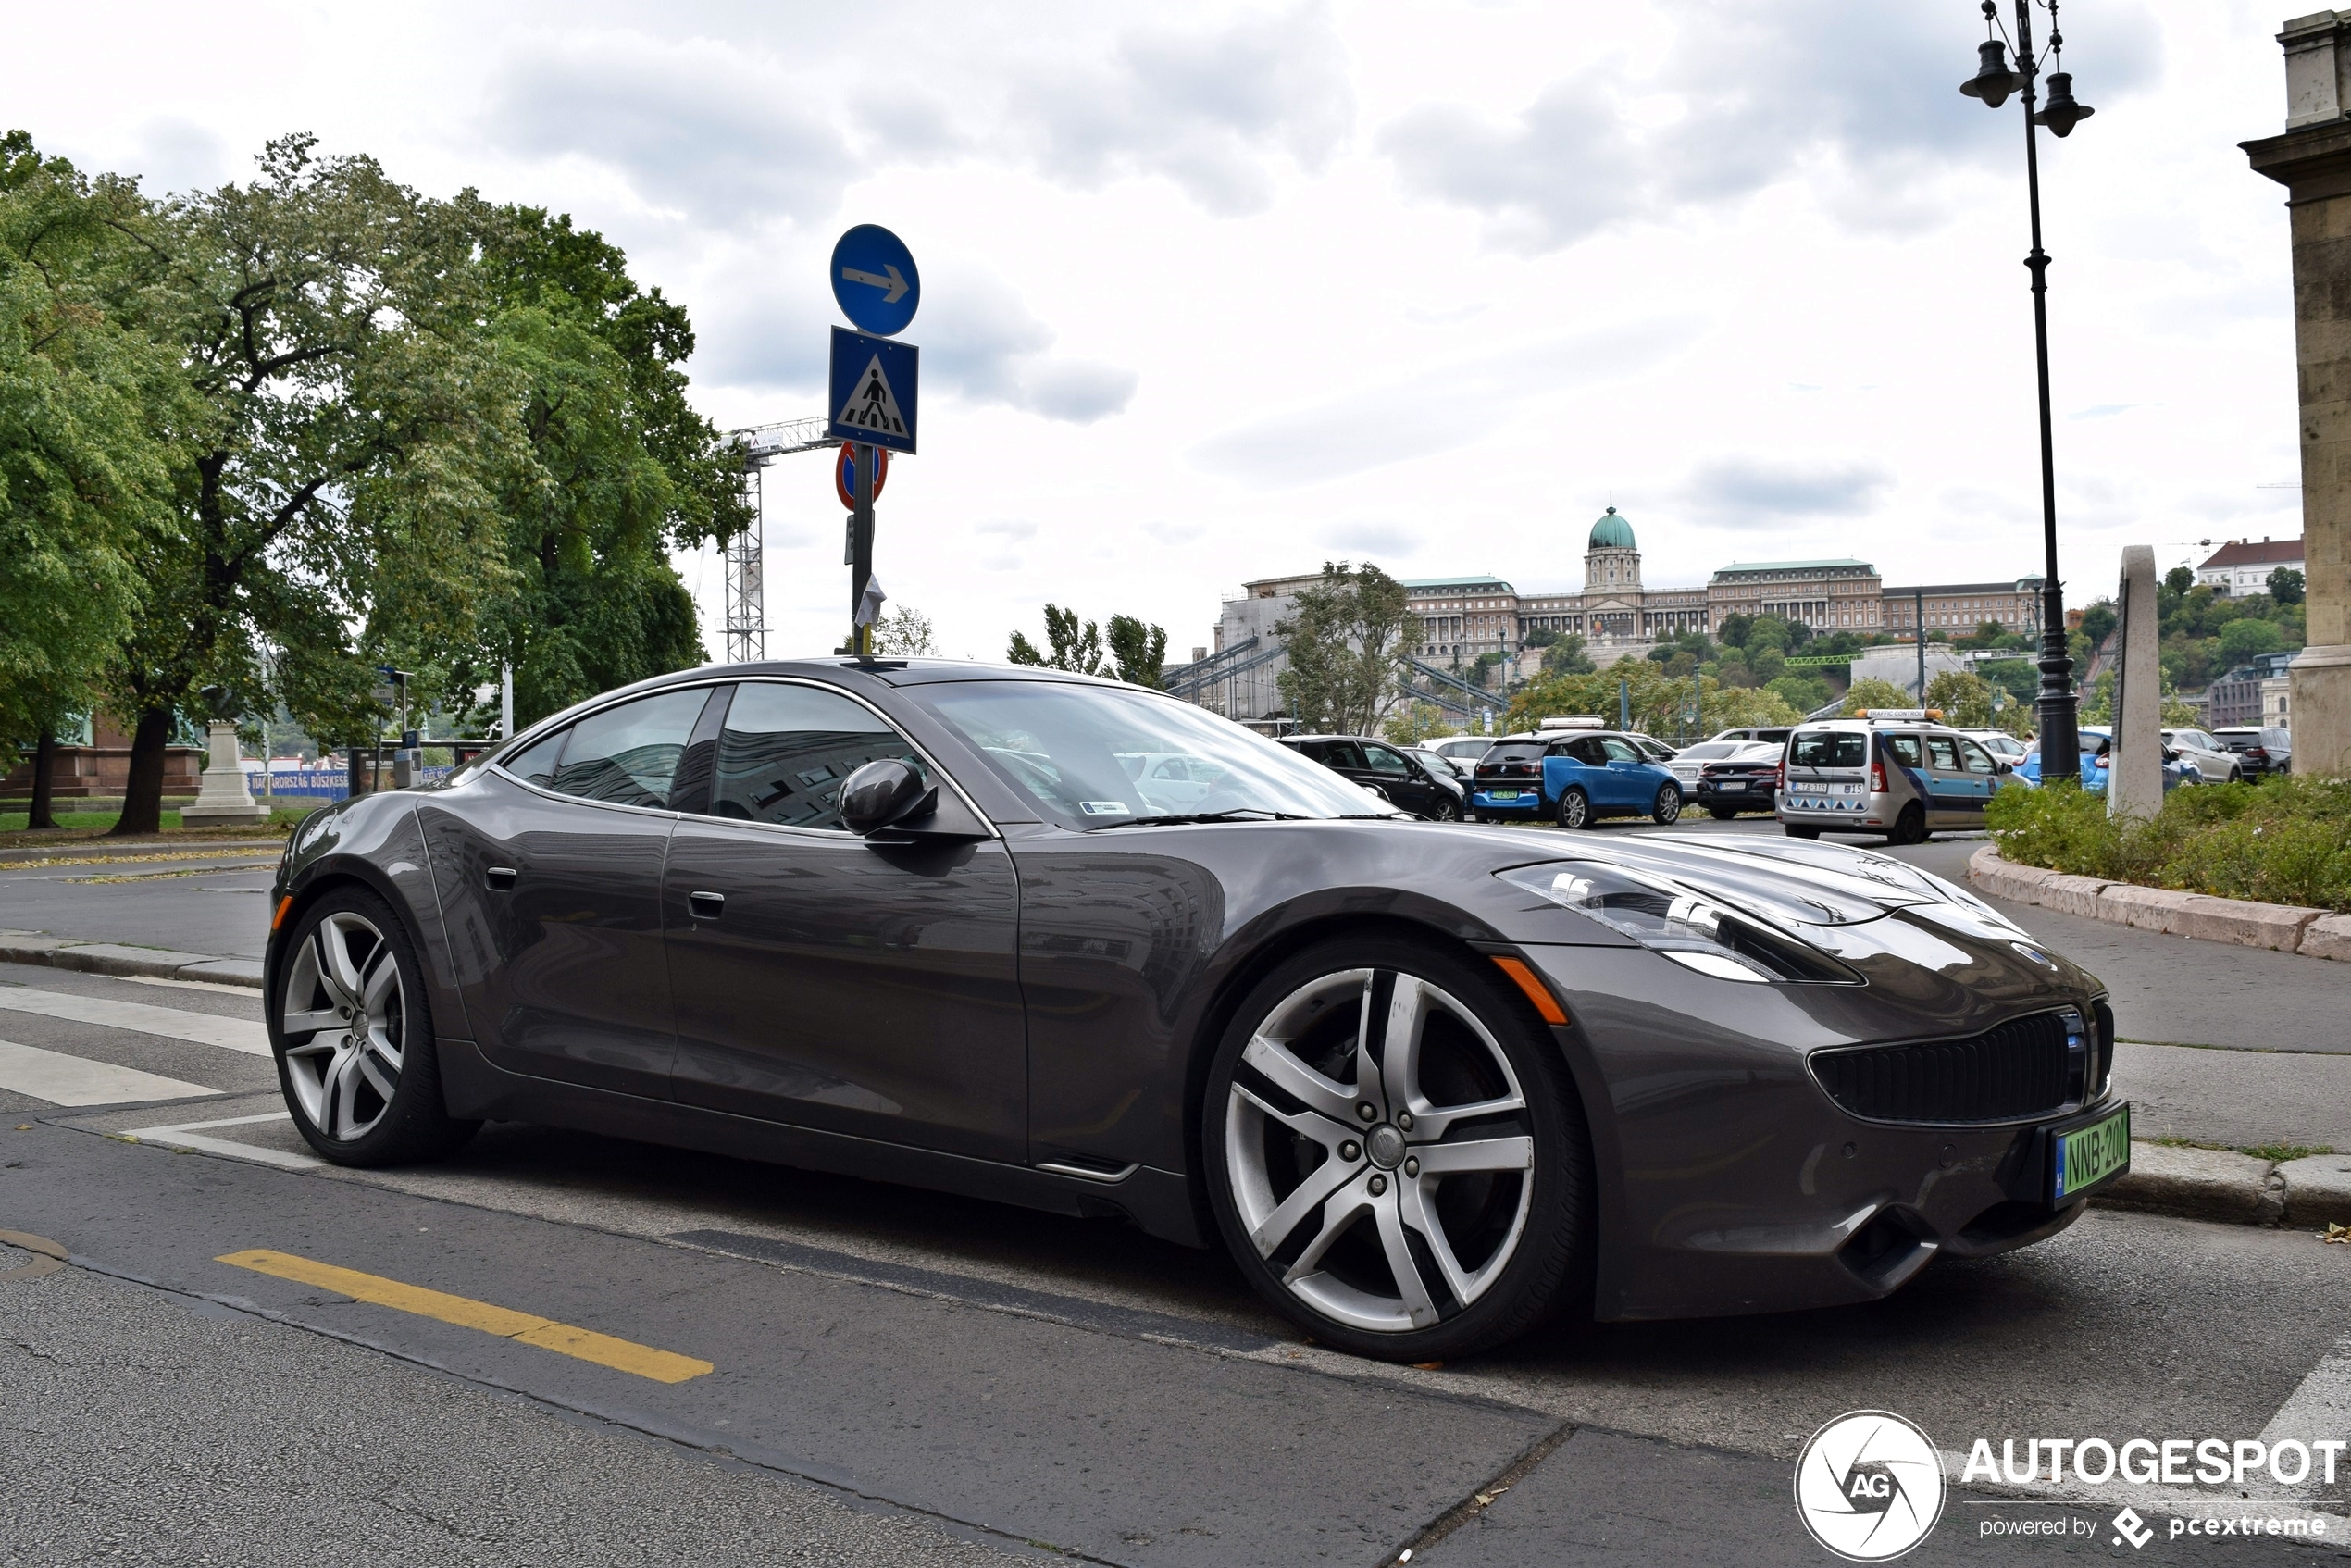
[(2243, 566)]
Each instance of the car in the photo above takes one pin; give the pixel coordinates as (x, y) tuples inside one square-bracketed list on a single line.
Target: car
[(1431, 1085), (1899, 772), (2206, 759), (2001, 743), (1460, 747), (2259, 749), (1774, 732), (1746, 781), (1387, 771), (1574, 777), (1684, 763), (2097, 758)]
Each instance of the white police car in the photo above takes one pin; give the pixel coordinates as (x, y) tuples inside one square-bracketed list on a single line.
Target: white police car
[(1900, 772)]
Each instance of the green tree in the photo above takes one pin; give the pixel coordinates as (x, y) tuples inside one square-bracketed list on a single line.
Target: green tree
[(90, 406), (1735, 631), (2179, 579), (340, 490), (1804, 691), (2285, 585), (1566, 656), (1415, 722), (1871, 692), (1965, 699), (1660, 704), (1346, 638), (903, 631), (1140, 651), (2245, 638), (1075, 645), (2098, 620)]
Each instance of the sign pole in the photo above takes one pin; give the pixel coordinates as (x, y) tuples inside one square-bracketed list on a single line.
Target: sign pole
[(861, 571)]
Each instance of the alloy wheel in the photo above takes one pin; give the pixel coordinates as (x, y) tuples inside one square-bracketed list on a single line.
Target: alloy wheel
[(1668, 809), (343, 1016), (1379, 1150), (1574, 809)]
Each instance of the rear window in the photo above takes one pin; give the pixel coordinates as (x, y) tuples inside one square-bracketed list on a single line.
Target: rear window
[(1829, 748), (1515, 751)]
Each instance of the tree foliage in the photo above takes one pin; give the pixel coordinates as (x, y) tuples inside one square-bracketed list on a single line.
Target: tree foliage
[(2285, 585), (1965, 699), (1346, 638), (1660, 704), (1872, 693), (1072, 644), (1139, 649), (903, 631)]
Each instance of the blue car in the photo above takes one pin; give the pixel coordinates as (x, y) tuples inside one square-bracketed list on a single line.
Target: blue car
[(2098, 758), (1573, 777)]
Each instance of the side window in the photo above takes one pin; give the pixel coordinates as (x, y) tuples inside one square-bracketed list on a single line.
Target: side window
[(1974, 756), (628, 754), (786, 750), (1619, 750), (1314, 750), (1345, 753), (1588, 751), (1382, 760), (1904, 748), (536, 762), (1945, 755)]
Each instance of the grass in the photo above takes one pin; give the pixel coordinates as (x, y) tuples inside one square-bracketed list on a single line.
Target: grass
[(2286, 840), (78, 824), (2276, 1153)]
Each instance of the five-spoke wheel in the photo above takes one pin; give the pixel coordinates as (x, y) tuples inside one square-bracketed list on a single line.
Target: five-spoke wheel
[(1394, 1154)]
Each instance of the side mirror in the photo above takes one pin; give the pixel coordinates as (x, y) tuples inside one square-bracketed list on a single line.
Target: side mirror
[(2170, 754), (883, 793), (2004, 767)]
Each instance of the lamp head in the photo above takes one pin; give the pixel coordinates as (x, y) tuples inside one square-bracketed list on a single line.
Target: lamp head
[(2062, 113), (1993, 81)]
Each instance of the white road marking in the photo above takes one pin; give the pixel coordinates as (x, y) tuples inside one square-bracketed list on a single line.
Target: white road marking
[(246, 1035), (2319, 1407), (189, 1134), (189, 985), (73, 1080)]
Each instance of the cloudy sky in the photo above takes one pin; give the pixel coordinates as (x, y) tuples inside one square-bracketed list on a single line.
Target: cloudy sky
[(1220, 292)]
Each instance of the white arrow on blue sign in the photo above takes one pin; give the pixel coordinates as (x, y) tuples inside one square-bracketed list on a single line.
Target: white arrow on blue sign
[(874, 382), (875, 279)]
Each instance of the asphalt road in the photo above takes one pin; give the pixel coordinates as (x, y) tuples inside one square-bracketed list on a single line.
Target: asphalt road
[(896, 1375)]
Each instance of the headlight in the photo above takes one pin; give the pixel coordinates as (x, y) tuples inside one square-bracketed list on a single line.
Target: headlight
[(1692, 930)]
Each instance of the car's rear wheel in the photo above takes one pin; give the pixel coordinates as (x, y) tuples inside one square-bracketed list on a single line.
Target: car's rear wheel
[(352, 1031), (1720, 814), (1574, 809), (1911, 826), (1667, 808), (1795, 832), (1394, 1153)]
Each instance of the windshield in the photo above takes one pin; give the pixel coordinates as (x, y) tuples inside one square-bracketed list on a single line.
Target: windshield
[(1095, 756), (1705, 749), (1829, 748)]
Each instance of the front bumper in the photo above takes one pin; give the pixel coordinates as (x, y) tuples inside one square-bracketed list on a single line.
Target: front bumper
[(1729, 1182)]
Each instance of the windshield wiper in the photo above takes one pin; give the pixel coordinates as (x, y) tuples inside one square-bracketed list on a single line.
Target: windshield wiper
[(1236, 813)]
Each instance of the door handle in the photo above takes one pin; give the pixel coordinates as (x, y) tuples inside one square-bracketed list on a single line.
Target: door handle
[(706, 907), (501, 879)]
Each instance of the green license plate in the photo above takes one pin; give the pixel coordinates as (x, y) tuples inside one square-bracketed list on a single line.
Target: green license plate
[(2082, 1157), (1503, 794)]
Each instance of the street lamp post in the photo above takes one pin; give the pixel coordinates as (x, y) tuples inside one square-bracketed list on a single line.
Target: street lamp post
[(1993, 82)]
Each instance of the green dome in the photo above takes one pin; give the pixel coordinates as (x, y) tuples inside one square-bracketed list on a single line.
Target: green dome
[(1611, 532)]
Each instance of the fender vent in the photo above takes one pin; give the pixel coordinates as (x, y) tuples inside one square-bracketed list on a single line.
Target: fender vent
[(2014, 1070)]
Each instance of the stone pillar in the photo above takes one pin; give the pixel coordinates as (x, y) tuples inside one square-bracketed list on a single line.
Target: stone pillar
[(2312, 161), (2134, 774), (223, 796)]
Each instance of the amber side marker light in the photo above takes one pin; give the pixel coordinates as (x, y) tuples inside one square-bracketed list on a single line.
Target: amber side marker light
[(1545, 1004), (287, 902)]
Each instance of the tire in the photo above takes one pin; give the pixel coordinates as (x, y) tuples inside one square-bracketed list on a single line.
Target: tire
[(1911, 826), (1666, 810), (1574, 809), (380, 1103), (1493, 1247), (1444, 811), (1795, 832), (1721, 813)]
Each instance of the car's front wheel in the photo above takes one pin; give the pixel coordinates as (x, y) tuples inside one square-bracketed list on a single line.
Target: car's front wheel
[(1394, 1153), (1666, 810), (352, 1031), (1574, 809), (1446, 810)]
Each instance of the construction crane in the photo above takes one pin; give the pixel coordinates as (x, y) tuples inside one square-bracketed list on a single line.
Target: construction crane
[(746, 552)]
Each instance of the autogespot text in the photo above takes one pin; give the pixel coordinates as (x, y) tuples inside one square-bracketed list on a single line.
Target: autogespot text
[(2144, 1461)]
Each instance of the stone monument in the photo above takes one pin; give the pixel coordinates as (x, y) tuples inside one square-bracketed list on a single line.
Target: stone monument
[(222, 797), (2312, 161), (2134, 771)]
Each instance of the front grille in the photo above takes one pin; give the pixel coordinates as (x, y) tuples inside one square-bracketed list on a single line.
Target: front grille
[(2018, 1069)]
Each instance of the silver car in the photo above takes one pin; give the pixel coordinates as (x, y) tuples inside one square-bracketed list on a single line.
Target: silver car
[(2205, 758), (1686, 763), (1896, 772)]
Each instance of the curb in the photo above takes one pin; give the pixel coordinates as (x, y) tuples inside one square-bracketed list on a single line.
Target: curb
[(146, 962), (2220, 1184), (93, 850), (2313, 933)]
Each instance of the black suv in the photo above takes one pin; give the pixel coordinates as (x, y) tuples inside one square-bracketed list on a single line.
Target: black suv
[(2259, 747), (1386, 770)]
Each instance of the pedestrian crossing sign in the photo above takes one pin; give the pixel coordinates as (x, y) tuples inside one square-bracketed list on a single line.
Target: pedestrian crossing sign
[(874, 386)]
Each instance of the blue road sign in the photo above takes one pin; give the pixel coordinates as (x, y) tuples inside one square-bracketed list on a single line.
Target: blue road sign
[(874, 281), (874, 386)]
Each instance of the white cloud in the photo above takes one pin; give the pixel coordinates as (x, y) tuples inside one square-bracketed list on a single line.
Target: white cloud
[(1757, 492)]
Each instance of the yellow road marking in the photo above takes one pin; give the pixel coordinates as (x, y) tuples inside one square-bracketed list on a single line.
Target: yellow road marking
[(622, 1355)]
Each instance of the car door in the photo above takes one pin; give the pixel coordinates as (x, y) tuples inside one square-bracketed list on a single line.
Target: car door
[(1401, 782), (1575, 764), (550, 877), (1949, 789), (834, 982), (1628, 782), (1983, 774)]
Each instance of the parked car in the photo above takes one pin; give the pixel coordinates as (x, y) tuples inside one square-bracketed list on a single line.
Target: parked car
[(1445, 766), (2098, 758), (2206, 759), (1574, 777), (1897, 772), (1755, 732), (1459, 748), (2259, 749), (1746, 781), (2001, 743), (909, 921), (1685, 762), (1387, 771)]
